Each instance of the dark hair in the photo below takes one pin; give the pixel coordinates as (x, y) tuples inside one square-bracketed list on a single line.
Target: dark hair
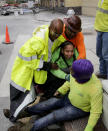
[(62, 46), (65, 44)]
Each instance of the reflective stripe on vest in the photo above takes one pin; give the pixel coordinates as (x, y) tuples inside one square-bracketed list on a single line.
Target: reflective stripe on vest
[(27, 58), (32, 58), (17, 86), (102, 2), (102, 10), (41, 62)]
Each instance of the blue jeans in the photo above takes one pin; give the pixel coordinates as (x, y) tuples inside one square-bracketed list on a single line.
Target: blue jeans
[(64, 110), (102, 52)]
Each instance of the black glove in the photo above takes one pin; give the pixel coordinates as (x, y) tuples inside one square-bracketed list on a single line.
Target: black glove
[(48, 65)]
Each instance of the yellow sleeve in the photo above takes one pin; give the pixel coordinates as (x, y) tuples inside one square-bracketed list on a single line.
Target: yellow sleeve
[(96, 110), (33, 47), (64, 88)]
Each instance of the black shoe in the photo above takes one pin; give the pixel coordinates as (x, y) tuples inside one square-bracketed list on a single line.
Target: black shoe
[(23, 114), (6, 113), (101, 76)]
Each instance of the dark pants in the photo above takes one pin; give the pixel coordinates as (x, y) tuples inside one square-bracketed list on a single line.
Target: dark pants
[(19, 100), (102, 52), (51, 85), (64, 110)]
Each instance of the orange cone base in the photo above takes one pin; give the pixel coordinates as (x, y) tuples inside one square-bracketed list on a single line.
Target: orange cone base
[(7, 43)]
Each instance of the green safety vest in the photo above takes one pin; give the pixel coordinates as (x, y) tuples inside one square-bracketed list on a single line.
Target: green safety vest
[(101, 21)]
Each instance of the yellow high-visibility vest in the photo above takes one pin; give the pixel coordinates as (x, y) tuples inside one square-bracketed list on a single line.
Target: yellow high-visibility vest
[(101, 20), (29, 60)]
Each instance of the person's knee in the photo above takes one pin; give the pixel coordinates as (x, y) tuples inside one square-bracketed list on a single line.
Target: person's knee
[(52, 100), (63, 114)]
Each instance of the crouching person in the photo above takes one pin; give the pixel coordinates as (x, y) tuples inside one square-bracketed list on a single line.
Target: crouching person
[(82, 96), (29, 66)]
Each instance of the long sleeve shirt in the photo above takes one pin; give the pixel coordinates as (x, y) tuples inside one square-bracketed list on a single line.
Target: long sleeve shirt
[(86, 96), (61, 63)]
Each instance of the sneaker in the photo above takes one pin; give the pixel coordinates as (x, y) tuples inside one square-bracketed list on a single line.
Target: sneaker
[(101, 76), (6, 113)]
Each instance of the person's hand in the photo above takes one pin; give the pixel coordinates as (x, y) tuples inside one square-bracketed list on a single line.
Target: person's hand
[(48, 65), (56, 93), (67, 77), (54, 66)]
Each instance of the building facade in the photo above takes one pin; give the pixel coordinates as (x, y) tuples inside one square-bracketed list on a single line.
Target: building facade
[(85, 7)]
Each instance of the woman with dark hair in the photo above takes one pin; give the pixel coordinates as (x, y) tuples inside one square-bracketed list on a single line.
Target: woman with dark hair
[(64, 56)]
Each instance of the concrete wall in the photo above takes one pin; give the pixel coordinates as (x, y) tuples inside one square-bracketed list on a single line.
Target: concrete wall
[(72, 3), (89, 7)]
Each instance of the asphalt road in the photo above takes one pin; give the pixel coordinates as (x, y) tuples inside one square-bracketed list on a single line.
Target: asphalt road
[(22, 25)]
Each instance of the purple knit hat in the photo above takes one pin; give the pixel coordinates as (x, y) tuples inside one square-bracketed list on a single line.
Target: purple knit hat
[(82, 69)]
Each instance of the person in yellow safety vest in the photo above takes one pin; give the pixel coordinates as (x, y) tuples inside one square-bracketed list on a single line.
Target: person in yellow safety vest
[(101, 26), (30, 65)]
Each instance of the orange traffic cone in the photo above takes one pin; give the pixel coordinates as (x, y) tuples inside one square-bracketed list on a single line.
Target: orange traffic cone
[(7, 38)]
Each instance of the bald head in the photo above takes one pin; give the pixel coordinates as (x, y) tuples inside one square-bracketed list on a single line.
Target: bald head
[(56, 27)]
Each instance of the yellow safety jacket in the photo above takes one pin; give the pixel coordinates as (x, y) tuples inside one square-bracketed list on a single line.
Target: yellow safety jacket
[(30, 60), (101, 21), (57, 43)]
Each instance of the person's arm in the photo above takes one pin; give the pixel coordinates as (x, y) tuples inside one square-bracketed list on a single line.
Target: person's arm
[(95, 112), (64, 88), (32, 53), (81, 46), (58, 73)]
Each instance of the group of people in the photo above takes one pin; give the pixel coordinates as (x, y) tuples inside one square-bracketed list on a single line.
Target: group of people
[(54, 60)]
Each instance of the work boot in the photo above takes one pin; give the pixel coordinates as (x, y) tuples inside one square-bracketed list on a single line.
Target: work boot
[(25, 127), (99, 75), (23, 114), (6, 113)]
